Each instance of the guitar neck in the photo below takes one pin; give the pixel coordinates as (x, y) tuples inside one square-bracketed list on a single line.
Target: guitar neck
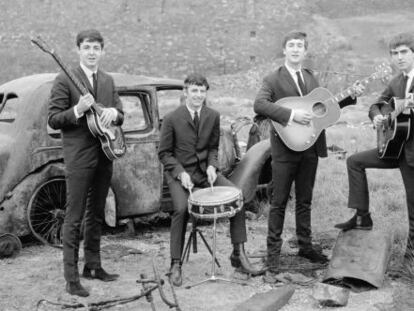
[(78, 84), (350, 90), (81, 88)]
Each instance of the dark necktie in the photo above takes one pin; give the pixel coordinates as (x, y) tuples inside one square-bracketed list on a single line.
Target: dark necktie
[(196, 121), (405, 84), (95, 84), (301, 84)]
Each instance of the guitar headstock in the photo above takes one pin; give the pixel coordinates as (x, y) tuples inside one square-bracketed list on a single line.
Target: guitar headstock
[(383, 72), (38, 40)]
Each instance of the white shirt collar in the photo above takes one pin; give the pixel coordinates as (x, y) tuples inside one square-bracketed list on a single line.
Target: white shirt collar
[(87, 71), (293, 71), (410, 74), (192, 111)]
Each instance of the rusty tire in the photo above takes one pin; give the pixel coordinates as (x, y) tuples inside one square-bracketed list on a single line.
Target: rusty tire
[(10, 245), (46, 211)]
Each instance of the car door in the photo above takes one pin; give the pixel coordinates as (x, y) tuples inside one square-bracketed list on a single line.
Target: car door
[(137, 178)]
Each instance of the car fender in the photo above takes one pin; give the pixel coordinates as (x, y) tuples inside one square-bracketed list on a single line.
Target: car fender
[(247, 172), (13, 217)]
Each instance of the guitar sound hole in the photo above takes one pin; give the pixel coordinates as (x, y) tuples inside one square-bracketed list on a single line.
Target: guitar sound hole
[(319, 109)]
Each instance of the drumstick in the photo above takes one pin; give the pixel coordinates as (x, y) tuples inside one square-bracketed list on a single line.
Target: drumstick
[(211, 187), (191, 193)]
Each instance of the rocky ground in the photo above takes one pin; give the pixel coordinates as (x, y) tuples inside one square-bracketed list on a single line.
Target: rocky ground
[(36, 274)]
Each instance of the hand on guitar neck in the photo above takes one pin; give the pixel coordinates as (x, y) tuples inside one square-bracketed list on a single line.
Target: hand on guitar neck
[(106, 115)]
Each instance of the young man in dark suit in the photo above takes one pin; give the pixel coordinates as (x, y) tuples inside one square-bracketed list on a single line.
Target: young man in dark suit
[(290, 166), (401, 49), (88, 170), (188, 150)]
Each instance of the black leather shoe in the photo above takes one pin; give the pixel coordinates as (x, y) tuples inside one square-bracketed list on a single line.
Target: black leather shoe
[(313, 255), (75, 288), (99, 274), (175, 273), (238, 259), (357, 222)]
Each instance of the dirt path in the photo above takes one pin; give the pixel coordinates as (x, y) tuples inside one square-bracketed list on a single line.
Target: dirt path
[(37, 274)]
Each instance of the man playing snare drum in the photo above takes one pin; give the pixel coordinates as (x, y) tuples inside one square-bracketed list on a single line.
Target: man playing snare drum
[(188, 150)]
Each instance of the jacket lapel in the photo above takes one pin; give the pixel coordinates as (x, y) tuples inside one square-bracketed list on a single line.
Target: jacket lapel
[(203, 117), (102, 80), (307, 80), (187, 116)]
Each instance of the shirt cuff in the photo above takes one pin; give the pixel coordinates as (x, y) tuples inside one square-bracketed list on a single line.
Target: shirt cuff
[(292, 115), (115, 112), (77, 115)]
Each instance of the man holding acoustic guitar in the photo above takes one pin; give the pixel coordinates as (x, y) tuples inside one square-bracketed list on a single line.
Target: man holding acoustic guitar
[(392, 116), (88, 167), (296, 143)]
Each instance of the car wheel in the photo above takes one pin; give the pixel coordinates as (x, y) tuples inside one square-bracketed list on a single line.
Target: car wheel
[(46, 211)]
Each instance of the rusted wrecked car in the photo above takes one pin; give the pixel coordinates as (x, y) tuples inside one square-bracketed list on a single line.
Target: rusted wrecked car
[(32, 185)]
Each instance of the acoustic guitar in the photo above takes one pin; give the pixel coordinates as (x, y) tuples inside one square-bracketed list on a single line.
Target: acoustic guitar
[(324, 109), (395, 130), (112, 138)]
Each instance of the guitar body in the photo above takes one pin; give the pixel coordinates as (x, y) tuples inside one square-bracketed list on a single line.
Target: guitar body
[(111, 138), (326, 112), (392, 135)]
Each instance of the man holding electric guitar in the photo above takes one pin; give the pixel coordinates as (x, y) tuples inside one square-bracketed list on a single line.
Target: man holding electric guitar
[(282, 99), (88, 162), (392, 116)]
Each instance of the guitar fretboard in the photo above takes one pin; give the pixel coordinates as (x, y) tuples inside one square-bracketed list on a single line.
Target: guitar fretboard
[(350, 90), (81, 88)]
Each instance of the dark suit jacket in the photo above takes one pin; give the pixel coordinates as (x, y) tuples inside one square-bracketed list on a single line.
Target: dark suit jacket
[(80, 148), (395, 88), (181, 149), (280, 84)]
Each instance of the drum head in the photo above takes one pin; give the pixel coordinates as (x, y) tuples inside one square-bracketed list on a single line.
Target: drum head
[(214, 196)]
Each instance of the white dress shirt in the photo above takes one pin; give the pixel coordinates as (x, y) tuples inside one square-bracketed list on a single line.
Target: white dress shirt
[(295, 78), (409, 81), (192, 112)]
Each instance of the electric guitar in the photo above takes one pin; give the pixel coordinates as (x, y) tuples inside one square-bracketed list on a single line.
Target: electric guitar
[(324, 109), (395, 130), (112, 137)]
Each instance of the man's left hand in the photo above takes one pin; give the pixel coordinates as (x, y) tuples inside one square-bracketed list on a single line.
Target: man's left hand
[(108, 115), (358, 89), (211, 174)]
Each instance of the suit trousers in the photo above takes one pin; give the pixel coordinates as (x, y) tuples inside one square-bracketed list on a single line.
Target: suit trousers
[(87, 189), (358, 184), (300, 169), (180, 216)]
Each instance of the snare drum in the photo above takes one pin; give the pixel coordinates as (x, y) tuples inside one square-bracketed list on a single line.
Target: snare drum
[(216, 202)]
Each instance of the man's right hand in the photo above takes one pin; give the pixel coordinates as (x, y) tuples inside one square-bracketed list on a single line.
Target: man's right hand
[(84, 103), (378, 120), (302, 116), (186, 180)]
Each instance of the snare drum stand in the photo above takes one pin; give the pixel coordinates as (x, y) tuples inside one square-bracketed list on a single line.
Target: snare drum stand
[(213, 277), (192, 240)]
